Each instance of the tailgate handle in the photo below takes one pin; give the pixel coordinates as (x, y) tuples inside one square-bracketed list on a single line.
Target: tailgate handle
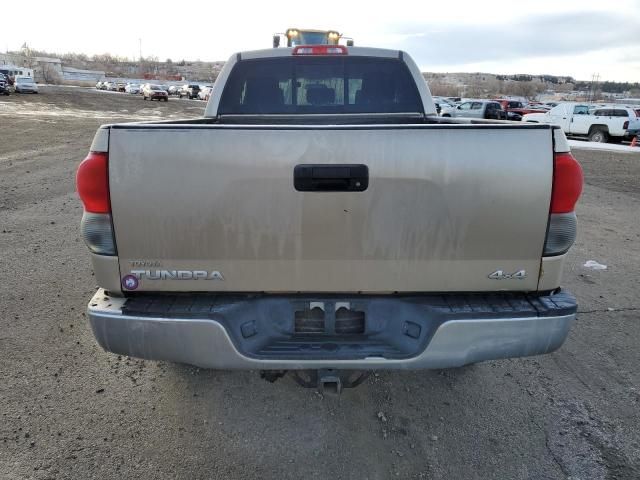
[(331, 178)]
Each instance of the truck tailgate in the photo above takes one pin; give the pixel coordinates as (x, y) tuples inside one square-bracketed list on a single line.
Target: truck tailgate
[(214, 208)]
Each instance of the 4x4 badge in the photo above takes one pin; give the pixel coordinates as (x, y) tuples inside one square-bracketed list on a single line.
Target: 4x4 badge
[(500, 275)]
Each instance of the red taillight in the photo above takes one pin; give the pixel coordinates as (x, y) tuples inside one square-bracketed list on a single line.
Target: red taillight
[(625, 125), (567, 183), (320, 50), (92, 182)]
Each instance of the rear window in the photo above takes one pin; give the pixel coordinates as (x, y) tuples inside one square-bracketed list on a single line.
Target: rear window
[(620, 113), (611, 113), (308, 85)]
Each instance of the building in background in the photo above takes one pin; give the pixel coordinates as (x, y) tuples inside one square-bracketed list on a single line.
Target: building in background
[(13, 66), (70, 74), (46, 69)]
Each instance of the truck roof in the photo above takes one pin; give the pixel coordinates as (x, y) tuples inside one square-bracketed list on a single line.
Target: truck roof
[(288, 51)]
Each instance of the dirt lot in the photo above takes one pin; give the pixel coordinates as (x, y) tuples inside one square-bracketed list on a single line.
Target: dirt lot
[(70, 410)]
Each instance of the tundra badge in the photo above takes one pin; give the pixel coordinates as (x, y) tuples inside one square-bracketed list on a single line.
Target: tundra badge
[(175, 275)]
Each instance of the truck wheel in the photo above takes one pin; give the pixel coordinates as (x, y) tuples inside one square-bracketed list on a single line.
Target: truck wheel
[(599, 136)]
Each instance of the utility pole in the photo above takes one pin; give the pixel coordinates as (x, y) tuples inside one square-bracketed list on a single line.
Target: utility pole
[(593, 87), (140, 45)]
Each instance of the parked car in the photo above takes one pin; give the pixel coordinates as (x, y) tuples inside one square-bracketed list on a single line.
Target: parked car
[(4, 85), (599, 124), (438, 107), (478, 109), (133, 88), (174, 89), (446, 108), (121, 86), (154, 92), (99, 85), (516, 109), (8, 74), (633, 130), (113, 87), (204, 91), (25, 85), (442, 104), (208, 94), (190, 91), (366, 233), (539, 105), (632, 127)]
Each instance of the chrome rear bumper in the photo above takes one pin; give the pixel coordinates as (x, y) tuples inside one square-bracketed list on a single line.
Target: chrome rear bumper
[(454, 334)]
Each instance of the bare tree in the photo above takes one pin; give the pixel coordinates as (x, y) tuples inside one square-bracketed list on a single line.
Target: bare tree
[(50, 74)]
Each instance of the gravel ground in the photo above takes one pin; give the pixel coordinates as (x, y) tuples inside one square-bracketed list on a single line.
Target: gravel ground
[(71, 410)]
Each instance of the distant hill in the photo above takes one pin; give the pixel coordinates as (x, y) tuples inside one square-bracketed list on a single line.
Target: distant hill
[(479, 84), (466, 84)]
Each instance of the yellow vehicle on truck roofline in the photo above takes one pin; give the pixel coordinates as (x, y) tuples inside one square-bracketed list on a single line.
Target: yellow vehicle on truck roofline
[(298, 36)]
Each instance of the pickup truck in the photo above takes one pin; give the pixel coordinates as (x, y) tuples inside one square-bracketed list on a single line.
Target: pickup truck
[(190, 91), (322, 217), (487, 109), (599, 125)]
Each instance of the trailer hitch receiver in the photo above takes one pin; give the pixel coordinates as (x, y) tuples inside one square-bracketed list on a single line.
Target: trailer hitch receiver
[(329, 380)]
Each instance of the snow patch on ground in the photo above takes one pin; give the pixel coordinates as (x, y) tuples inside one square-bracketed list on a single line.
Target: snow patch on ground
[(608, 147), (52, 111)]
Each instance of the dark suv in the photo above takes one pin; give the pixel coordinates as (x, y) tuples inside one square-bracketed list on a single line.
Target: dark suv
[(4, 85), (190, 91)]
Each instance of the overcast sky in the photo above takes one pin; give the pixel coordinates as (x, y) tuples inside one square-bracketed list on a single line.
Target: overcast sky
[(559, 37)]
